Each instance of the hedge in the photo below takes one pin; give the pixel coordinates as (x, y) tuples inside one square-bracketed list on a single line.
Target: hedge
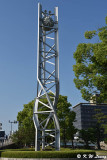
[(45, 154)]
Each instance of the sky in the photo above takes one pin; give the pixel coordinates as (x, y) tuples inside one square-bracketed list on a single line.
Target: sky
[(18, 49)]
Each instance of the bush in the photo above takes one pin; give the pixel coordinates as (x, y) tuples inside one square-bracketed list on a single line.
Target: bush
[(46, 154), (21, 149)]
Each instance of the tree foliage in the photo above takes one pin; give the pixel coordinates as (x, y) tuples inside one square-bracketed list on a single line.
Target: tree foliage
[(66, 119), (91, 66), (26, 131), (97, 133), (88, 136), (100, 127)]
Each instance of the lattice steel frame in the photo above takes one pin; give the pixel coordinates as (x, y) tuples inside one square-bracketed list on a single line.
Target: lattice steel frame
[(47, 84)]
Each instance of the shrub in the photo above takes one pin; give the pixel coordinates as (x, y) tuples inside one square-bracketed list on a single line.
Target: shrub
[(45, 154)]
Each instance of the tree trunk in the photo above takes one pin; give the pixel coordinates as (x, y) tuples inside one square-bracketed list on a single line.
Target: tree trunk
[(98, 137), (64, 137), (87, 144), (98, 144), (72, 144)]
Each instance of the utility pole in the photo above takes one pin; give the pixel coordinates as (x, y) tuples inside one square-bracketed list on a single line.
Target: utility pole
[(11, 122)]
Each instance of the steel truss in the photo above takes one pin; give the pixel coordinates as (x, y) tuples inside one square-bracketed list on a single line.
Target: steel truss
[(45, 117)]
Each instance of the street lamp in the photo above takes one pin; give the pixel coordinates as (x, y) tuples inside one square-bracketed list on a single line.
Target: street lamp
[(11, 125)]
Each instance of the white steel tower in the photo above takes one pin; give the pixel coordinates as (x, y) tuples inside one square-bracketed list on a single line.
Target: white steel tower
[(45, 117)]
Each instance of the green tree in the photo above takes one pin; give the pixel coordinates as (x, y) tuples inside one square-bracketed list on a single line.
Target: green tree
[(91, 66), (88, 136), (66, 119), (26, 131), (100, 127), (71, 131)]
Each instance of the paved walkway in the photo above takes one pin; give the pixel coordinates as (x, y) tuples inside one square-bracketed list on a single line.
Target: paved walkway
[(50, 159)]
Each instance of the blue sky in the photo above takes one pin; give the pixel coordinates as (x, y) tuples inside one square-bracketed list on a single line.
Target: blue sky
[(18, 48)]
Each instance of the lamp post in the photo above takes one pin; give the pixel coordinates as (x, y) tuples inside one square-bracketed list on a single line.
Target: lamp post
[(11, 125)]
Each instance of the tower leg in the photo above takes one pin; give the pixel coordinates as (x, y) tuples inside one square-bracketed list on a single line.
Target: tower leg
[(43, 140), (37, 140), (57, 144)]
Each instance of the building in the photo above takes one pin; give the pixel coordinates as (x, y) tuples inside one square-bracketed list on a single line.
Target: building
[(85, 112), (2, 135)]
